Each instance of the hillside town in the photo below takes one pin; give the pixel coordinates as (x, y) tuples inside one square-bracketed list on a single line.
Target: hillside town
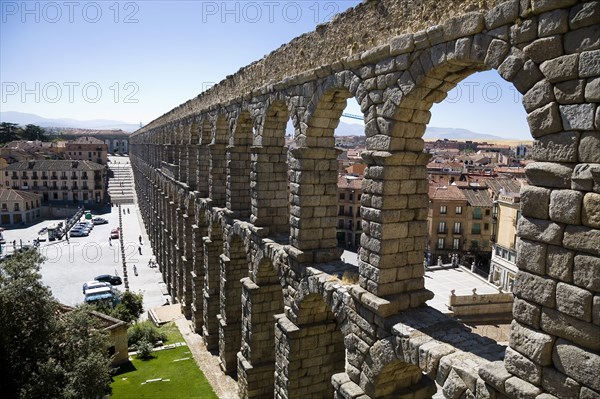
[(473, 203)]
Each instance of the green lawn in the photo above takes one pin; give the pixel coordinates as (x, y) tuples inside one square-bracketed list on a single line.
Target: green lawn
[(186, 379), (172, 332)]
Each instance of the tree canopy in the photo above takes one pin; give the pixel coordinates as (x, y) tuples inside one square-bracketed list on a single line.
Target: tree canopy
[(12, 131), (47, 351)]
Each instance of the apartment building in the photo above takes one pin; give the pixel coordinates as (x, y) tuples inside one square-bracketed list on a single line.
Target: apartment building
[(87, 149), (503, 268), (17, 206), (349, 226), (58, 181), (447, 222)]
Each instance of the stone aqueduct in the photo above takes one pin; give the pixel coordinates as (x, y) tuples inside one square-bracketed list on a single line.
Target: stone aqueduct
[(245, 231)]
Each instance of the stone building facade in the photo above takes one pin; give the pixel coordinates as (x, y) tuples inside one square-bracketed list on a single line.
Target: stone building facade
[(58, 181), (17, 206), (87, 149), (259, 272)]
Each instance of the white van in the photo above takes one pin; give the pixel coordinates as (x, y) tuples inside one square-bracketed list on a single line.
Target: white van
[(101, 294)]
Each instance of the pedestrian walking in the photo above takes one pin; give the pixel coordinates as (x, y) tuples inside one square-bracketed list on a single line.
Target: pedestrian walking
[(140, 250), (110, 241), (140, 239)]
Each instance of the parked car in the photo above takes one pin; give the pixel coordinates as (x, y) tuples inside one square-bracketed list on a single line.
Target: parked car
[(79, 233), (103, 295), (107, 278), (99, 220), (86, 224), (94, 284)]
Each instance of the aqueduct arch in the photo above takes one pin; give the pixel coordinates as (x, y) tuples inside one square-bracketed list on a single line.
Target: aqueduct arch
[(396, 65)]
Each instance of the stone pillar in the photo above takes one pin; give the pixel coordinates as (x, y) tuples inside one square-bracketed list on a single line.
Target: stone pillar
[(197, 279), (192, 166), (269, 194), (183, 164), (217, 177), (256, 359), (314, 199), (233, 268), (210, 328), (306, 359), (186, 263), (238, 181), (203, 170), (394, 220)]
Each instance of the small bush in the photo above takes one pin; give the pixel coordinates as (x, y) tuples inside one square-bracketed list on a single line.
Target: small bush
[(144, 331), (144, 350)]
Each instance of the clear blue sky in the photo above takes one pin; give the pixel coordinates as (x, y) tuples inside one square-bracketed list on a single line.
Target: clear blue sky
[(134, 61)]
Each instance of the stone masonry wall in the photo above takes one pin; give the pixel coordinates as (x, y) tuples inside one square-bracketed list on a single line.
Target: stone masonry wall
[(378, 338)]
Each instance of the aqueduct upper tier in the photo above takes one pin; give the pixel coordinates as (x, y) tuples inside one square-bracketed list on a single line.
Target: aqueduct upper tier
[(245, 228)]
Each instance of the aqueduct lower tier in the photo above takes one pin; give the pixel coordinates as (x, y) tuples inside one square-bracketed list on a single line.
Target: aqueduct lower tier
[(245, 231)]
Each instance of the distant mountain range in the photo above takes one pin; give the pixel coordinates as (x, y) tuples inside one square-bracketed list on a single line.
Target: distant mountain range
[(431, 133), (98, 124), (343, 129)]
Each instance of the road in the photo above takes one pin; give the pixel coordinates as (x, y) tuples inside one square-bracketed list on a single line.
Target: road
[(69, 265)]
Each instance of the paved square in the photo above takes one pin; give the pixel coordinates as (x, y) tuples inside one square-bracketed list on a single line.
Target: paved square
[(69, 265)]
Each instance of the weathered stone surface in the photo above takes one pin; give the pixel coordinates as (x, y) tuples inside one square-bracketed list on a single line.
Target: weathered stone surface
[(540, 230), (560, 263), (544, 49), (561, 68), (527, 77), (596, 310), (454, 386), (539, 6), (579, 364), (549, 174), (583, 239), (574, 301), (565, 206), (587, 393), (463, 25), (586, 272), (592, 90), (544, 120), (532, 256), (535, 289), (559, 384), (502, 14), (522, 367), (402, 44), (589, 63), (537, 346), (535, 202), (538, 96), (516, 387), (527, 313), (579, 116), (583, 177), (497, 51), (590, 215), (558, 147), (584, 14), (553, 22), (524, 32), (569, 92), (583, 39), (589, 147), (567, 327), (495, 374)]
